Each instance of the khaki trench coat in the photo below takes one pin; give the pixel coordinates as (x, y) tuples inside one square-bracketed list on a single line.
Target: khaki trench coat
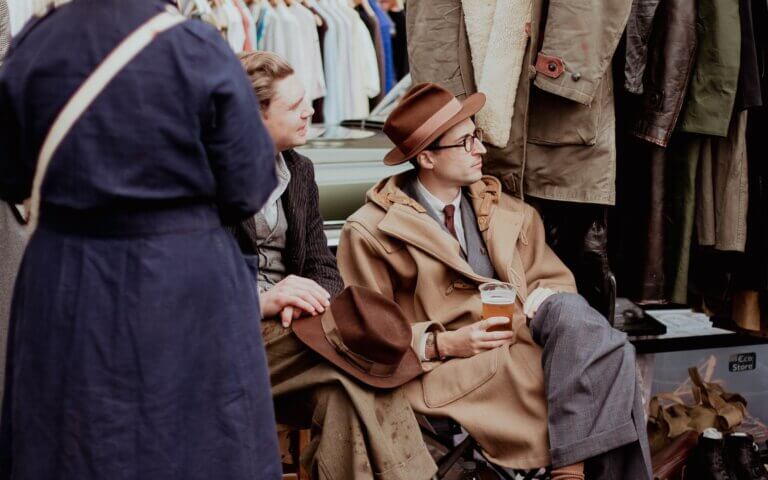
[(393, 246), (562, 139)]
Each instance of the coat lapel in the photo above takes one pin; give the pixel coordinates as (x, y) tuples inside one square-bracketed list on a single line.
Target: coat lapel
[(409, 222), (500, 228), (421, 231)]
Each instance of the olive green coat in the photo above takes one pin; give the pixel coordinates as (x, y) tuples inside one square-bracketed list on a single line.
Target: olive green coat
[(561, 144)]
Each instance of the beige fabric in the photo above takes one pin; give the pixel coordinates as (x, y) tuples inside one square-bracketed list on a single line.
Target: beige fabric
[(561, 143), (721, 206), (393, 246), (13, 241), (497, 58), (357, 432), (90, 90), (5, 29)]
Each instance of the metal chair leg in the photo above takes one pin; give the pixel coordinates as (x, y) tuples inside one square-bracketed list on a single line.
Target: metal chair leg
[(445, 463)]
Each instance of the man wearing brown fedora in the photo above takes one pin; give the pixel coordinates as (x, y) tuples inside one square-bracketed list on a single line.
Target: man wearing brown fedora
[(556, 386)]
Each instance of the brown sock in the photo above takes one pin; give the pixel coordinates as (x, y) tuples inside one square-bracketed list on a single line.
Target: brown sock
[(570, 472)]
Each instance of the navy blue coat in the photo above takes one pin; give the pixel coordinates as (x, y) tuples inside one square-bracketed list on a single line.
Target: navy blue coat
[(135, 348)]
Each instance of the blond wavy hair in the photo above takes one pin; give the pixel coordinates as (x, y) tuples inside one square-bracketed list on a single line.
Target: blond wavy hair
[(264, 69)]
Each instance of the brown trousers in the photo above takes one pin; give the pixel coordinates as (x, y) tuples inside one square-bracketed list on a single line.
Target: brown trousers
[(357, 432)]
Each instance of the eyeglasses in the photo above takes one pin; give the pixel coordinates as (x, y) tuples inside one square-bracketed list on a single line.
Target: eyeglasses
[(467, 141)]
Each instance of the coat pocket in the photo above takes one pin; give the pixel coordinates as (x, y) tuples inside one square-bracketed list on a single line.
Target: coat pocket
[(555, 120), (458, 377)]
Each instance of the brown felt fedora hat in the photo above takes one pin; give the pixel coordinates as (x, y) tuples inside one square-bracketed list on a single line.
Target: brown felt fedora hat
[(366, 335), (426, 111)]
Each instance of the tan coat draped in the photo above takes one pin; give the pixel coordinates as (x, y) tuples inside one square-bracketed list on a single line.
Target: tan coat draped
[(393, 246)]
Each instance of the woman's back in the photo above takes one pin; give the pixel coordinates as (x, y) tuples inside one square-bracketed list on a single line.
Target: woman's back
[(170, 127), (135, 347)]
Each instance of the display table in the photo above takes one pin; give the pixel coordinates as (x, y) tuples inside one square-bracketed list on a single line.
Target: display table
[(685, 333)]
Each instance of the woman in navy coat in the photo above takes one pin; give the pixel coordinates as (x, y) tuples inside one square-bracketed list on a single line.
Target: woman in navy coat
[(135, 350)]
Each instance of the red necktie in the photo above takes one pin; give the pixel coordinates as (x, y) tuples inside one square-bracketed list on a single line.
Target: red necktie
[(449, 210)]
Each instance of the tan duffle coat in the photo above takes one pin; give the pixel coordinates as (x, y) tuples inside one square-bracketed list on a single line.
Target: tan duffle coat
[(393, 246)]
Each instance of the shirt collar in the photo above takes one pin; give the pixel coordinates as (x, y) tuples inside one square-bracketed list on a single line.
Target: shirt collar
[(435, 202)]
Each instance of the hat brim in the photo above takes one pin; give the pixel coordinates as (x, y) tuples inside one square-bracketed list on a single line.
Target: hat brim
[(310, 331), (469, 107)]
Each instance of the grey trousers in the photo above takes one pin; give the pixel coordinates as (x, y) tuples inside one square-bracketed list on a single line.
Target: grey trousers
[(596, 411)]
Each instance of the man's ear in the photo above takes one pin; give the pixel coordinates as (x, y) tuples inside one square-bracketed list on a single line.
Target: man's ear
[(264, 112), (426, 160)]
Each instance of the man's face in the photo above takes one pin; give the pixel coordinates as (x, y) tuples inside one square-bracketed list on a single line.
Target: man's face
[(455, 166), (289, 113)]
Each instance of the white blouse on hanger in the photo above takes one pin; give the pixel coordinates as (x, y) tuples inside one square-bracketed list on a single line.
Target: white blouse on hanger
[(310, 69)]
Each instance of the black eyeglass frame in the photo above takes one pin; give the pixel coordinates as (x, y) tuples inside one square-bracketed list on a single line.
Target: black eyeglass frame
[(468, 142)]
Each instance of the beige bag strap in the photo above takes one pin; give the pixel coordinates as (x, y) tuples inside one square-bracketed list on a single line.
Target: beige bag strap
[(90, 90)]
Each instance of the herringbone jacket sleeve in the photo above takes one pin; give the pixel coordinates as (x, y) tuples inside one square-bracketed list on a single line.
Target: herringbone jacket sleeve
[(319, 262)]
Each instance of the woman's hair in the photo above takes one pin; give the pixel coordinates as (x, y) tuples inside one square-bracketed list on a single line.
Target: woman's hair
[(264, 69)]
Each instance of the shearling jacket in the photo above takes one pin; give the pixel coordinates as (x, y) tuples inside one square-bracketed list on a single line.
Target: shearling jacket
[(394, 246), (556, 57)]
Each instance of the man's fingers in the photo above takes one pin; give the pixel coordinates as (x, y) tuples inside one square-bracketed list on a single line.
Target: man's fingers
[(493, 322), (310, 285), (298, 302), (496, 344), (496, 336), (286, 316), (308, 297), (317, 296)]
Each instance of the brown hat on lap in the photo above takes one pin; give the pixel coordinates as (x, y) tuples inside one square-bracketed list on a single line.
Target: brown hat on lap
[(366, 335)]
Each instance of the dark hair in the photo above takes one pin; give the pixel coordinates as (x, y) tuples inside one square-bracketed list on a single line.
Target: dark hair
[(435, 143)]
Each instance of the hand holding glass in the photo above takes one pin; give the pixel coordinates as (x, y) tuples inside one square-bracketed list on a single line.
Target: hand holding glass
[(498, 301)]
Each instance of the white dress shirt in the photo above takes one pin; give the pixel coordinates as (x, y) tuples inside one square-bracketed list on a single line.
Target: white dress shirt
[(270, 209), (310, 68), (437, 205)]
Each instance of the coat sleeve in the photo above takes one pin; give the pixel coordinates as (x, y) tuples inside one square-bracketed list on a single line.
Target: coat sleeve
[(319, 264), (240, 151), (580, 38), (362, 263), (543, 268)]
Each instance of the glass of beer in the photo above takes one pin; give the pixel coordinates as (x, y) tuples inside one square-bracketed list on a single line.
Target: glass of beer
[(498, 301)]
